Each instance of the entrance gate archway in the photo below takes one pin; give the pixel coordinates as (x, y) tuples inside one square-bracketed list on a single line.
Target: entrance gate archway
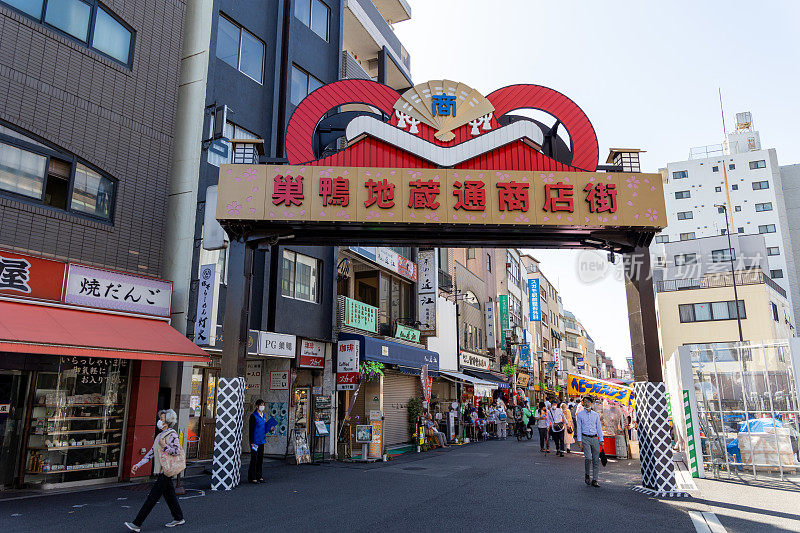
[(441, 166)]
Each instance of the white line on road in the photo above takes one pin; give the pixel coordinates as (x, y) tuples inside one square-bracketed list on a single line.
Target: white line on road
[(706, 522)]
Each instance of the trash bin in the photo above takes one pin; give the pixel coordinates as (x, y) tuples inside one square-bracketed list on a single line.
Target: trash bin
[(621, 446)]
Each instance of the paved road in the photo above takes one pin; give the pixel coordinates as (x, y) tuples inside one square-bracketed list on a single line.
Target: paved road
[(478, 487)]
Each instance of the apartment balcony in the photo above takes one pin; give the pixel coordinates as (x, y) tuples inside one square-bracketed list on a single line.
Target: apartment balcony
[(445, 281), (351, 68), (371, 41), (751, 277)]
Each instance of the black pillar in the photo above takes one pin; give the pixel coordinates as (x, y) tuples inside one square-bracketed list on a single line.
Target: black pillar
[(237, 309), (642, 316)]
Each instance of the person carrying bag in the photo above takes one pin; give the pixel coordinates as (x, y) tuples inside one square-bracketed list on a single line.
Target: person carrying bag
[(170, 460)]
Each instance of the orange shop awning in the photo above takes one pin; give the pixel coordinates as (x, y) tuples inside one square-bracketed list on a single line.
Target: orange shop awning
[(41, 329)]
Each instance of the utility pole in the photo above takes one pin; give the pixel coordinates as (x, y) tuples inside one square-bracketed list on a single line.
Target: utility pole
[(733, 269)]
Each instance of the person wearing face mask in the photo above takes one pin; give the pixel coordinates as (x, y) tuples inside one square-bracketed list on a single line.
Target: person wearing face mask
[(589, 432), (258, 437), (167, 441)]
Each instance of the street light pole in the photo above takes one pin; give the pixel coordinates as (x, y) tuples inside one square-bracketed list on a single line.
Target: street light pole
[(733, 270)]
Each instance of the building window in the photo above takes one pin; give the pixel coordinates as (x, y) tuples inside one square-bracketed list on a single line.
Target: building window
[(299, 277), (470, 253), (488, 262), (715, 169), (731, 166), (737, 208), (734, 187), (682, 195), (703, 312), (680, 174), (685, 215), (766, 228), (758, 164), (720, 209), (514, 310), (240, 49), (775, 312), (760, 185), (687, 236), (303, 84), (662, 239), (776, 274), (661, 262), (720, 256), (57, 179), (685, 259), (512, 269), (773, 250), (766, 206), (85, 20), (314, 14), (717, 189), (740, 229)]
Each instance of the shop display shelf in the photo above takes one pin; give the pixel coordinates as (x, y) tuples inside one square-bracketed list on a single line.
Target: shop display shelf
[(79, 405), (68, 471), (70, 418), (71, 431), (61, 448)]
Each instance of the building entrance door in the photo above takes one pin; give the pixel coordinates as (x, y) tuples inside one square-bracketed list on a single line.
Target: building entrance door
[(208, 413), (13, 389)]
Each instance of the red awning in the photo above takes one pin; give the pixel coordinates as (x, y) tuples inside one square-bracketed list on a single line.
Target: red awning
[(40, 329)]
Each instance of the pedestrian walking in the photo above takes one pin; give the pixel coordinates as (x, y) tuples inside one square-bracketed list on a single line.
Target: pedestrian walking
[(258, 437), (502, 420), (555, 423), (590, 436), (167, 456), (541, 424), (569, 428)]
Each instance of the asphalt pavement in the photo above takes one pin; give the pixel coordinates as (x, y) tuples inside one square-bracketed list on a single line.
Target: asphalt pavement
[(496, 485)]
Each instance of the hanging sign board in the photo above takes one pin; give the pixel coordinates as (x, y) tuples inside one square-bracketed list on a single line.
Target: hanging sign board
[(534, 300), (504, 323), (578, 385), (489, 315), (407, 333), (347, 365), (205, 305), (427, 290), (312, 354), (360, 315)]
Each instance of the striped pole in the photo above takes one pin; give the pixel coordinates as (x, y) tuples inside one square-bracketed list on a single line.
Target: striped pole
[(692, 449)]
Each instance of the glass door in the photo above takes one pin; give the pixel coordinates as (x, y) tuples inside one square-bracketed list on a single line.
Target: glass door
[(13, 389), (208, 420)]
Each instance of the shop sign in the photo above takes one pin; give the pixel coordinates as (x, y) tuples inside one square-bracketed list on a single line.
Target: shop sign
[(423, 377), (253, 376), (364, 433), (276, 344), (581, 366), (205, 304), (347, 365), (389, 259), (504, 324), (312, 354), (475, 361), (31, 277), (360, 315), (279, 380), (427, 291), (525, 359), (534, 300), (407, 333), (5, 408), (107, 289), (557, 358), (453, 198), (252, 340), (579, 385), (376, 443), (523, 379), (489, 314)]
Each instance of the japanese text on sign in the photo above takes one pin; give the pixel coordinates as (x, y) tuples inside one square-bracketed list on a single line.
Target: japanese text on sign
[(94, 287), (205, 305), (360, 315), (347, 365)]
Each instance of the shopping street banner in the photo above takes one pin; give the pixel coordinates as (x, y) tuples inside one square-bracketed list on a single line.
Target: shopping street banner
[(578, 385)]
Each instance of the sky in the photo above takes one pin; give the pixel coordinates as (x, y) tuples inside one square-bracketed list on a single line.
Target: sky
[(647, 74)]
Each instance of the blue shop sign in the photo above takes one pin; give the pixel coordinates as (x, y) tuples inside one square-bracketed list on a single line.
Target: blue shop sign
[(534, 300)]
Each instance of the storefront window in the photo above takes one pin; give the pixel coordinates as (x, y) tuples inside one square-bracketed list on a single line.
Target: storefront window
[(77, 421), (211, 396)]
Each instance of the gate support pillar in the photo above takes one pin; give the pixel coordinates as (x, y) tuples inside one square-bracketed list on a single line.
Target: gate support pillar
[(652, 414), (226, 471)]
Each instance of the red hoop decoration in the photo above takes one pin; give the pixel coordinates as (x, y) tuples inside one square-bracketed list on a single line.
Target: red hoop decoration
[(585, 150), (300, 131)]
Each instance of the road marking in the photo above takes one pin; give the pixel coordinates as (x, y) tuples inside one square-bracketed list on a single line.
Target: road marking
[(705, 522)]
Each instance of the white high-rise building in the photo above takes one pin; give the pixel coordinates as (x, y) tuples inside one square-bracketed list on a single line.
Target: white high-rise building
[(742, 178)]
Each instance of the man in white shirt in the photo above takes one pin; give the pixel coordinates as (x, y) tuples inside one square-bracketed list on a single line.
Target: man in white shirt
[(590, 437)]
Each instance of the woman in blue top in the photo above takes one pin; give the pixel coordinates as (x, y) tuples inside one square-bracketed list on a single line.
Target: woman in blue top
[(258, 437)]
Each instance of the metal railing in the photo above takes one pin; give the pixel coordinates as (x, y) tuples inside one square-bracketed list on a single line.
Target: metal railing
[(445, 281), (754, 277)]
